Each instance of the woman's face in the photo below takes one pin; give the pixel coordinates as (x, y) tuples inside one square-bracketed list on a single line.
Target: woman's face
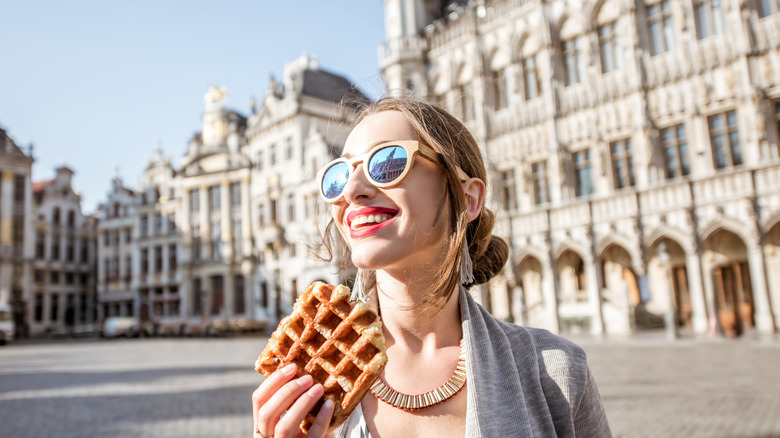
[(400, 227)]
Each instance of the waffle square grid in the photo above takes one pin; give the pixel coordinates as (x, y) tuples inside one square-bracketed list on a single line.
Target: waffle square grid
[(340, 344)]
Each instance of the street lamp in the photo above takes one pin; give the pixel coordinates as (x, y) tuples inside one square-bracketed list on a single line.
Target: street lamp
[(670, 317)]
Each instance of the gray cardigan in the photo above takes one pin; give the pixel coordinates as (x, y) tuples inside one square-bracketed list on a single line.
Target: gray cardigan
[(522, 382)]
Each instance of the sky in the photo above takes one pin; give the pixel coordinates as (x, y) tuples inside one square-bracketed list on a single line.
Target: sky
[(97, 85)]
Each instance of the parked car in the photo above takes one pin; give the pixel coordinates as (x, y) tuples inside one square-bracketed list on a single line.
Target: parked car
[(115, 326), (6, 324)]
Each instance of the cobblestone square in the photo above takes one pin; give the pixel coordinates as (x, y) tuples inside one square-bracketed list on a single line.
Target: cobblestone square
[(201, 387)]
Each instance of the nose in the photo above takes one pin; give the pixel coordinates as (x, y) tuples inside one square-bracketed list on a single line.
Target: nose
[(358, 186)]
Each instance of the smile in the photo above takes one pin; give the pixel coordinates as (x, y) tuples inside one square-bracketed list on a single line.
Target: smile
[(367, 220), (372, 219)]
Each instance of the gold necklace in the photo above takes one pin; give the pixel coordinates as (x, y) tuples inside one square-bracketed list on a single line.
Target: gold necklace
[(411, 403)]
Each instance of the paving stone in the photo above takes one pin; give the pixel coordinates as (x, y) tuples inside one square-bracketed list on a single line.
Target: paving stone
[(202, 387)]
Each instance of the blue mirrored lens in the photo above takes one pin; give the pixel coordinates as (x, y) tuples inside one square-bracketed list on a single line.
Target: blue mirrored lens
[(387, 164), (334, 180)]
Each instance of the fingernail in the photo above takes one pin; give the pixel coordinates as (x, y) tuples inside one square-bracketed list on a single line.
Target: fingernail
[(315, 391), (289, 368), (328, 405), (305, 380)]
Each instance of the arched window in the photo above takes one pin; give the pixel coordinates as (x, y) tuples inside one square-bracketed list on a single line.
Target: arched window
[(55, 216)]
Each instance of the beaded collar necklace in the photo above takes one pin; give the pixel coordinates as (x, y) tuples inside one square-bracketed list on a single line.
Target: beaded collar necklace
[(411, 403)]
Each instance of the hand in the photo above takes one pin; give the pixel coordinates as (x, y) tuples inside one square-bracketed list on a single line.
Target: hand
[(281, 402)]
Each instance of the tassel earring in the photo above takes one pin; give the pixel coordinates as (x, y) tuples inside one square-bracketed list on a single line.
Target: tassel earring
[(466, 265), (359, 291)]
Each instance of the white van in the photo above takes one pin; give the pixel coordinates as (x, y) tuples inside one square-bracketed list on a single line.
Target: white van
[(6, 324)]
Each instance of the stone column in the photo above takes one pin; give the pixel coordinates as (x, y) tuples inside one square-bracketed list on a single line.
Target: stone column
[(594, 296), (696, 289), (550, 301), (226, 221), (761, 301)]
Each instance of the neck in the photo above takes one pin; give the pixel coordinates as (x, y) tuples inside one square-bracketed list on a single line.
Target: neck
[(406, 325)]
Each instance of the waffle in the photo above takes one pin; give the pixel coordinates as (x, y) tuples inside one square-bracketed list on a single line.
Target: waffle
[(340, 344)]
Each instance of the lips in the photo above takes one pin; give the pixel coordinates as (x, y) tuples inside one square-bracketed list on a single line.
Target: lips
[(367, 220)]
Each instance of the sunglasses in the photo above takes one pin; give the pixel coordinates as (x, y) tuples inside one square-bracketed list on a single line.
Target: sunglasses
[(385, 165)]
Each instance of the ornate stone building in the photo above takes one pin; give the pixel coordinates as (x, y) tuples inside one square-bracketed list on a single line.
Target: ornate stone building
[(16, 246), (633, 147), (63, 285), (224, 237), (301, 125)]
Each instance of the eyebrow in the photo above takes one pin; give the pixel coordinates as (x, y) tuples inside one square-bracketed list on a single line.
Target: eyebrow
[(371, 146)]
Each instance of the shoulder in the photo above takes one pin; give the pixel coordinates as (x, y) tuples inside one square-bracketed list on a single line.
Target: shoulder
[(555, 354)]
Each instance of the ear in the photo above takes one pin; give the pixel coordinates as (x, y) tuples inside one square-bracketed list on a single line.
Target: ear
[(475, 197)]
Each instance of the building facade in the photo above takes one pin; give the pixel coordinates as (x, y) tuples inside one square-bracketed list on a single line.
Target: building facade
[(16, 212), (63, 284), (224, 239), (633, 148)]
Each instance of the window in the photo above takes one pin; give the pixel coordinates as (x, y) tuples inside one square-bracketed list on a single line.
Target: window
[(769, 7), (724, 139), (19, 185), (194, 200), (217, 294), (69, 278), (171, 219), (54, 277), (128, 235), (288, 148), (39, 277), (216, 239), (622, 164), (214, 198), (500, 89), (71, 218), (55, 247), (55, 308), (709, 18), (128, 268), (659, 21), (573, 60), (157, 224), (508, 189), (84, 250), (466, 101), (261, 215), (235, 193), (158, 258), (55, 216), (291, 208), (70, 249), (272, 154), (144, 226), (259, 161), (197, 297), (541, 188), (40, 244), (531, 85), (145, 261), (274, 211), (584, 173), (675, 144), (38, 307), (777, 126), (239, 301), (172, 260), (237, 238), (609, 47)]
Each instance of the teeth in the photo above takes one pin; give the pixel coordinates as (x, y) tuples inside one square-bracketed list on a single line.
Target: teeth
[(369, 219)]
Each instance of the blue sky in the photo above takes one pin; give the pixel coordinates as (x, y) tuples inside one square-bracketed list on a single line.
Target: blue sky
[(96, 84)]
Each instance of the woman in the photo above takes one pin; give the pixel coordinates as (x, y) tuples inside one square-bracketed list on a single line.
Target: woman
[(407, 199)]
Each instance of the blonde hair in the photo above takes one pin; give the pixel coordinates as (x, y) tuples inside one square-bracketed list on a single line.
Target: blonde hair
[(456, 147)]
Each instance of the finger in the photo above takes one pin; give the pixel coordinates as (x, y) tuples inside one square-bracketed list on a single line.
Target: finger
[(289, 424), (321, 423), (270, 412), (269, 386)]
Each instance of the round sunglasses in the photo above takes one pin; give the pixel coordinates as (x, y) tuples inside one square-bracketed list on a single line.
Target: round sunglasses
[(385, 165)]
